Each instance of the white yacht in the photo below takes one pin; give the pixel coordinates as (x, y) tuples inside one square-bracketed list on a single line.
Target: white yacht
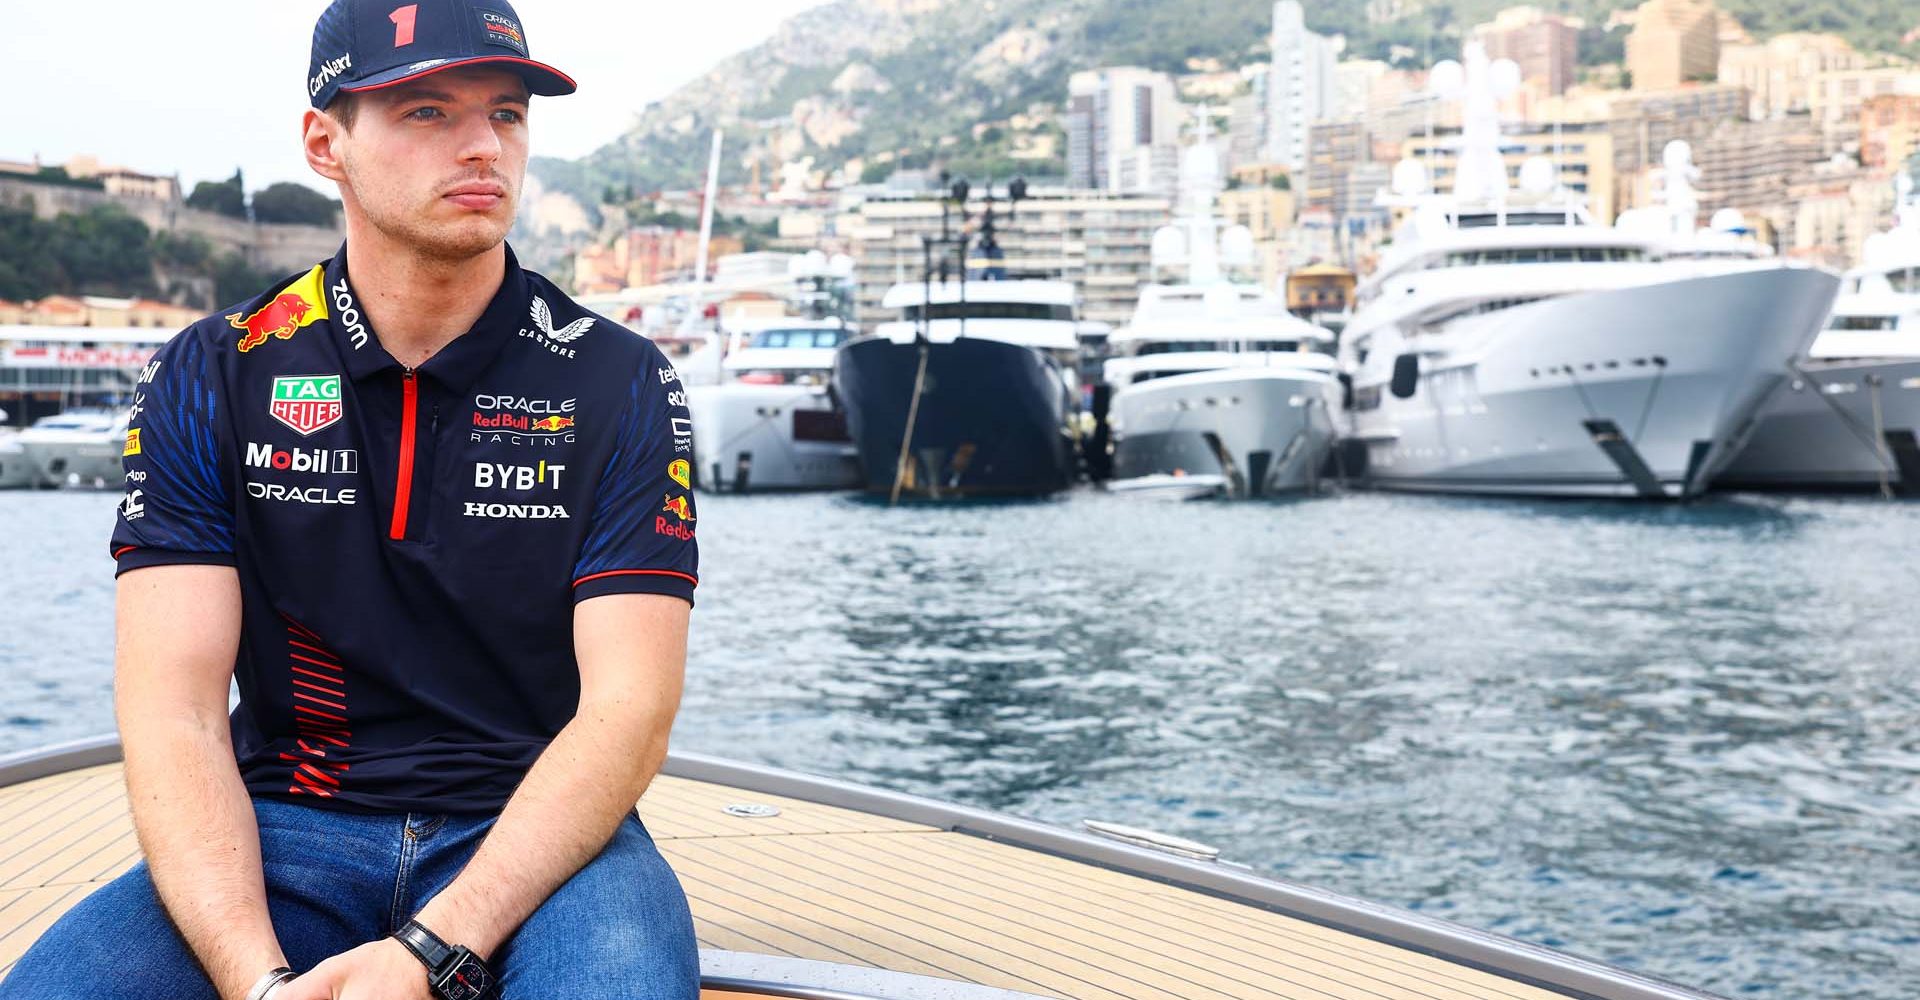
[(79, 447), (16, 473), (1507, 344), (1847, 419), (771, 422), (1216, 387)]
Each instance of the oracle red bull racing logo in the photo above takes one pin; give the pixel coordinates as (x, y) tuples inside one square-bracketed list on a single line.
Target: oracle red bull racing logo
[(522, 419), (682, 510), (298, 305)]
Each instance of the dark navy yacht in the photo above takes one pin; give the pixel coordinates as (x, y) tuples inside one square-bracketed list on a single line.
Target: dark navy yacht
[(971, 390)]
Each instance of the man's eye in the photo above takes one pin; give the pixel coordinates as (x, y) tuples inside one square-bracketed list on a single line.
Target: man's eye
[(423, 114), (510, 117)]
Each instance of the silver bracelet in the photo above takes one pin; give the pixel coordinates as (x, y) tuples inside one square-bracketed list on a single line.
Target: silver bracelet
[(270, 983)]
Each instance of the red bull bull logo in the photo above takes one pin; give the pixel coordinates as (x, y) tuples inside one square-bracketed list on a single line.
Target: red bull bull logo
[(298, 305), (679, 507), (551, 424)]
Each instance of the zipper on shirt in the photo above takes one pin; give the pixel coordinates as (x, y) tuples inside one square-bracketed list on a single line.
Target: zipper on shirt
[(403, 478)]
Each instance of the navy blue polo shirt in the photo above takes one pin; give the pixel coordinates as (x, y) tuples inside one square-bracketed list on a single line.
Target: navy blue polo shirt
[(410, 543)]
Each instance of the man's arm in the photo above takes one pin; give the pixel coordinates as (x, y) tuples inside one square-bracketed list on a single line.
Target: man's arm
[(632, 650), (178, 632), (633, 653)]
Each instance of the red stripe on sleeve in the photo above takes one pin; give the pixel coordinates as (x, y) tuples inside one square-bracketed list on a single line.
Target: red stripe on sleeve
[(638, 572)]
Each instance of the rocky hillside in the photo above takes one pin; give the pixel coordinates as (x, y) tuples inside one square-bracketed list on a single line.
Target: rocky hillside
[(864, 86)]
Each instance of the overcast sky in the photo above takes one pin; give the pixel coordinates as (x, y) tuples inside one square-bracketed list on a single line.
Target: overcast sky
[(199, 87)]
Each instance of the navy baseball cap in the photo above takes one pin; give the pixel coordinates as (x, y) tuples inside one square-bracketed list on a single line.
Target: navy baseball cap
[(368, 44)]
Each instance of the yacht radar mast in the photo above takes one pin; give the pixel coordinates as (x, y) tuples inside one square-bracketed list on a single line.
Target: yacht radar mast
[(1195, 241)]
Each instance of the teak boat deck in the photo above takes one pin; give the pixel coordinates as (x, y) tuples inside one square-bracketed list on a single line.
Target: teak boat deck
[(859, 888)]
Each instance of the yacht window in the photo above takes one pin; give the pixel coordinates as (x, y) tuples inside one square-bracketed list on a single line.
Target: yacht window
[(1864, 323), (1149, 376), (1906, 281), (1181, 346), (1223, 346), (805, 337), (1492, 305), (991, 310), (1538, 255)]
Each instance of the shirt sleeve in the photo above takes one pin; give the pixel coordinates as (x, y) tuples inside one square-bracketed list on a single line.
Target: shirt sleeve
[(177, 508), (642, 537)]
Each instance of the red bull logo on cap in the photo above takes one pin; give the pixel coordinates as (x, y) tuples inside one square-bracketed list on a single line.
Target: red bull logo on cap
[(298, 305)]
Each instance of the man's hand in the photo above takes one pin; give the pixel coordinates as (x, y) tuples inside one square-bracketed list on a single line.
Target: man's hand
[(379, 970)]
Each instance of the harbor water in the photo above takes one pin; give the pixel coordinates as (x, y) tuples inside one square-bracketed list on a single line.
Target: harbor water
[(1678, 738)]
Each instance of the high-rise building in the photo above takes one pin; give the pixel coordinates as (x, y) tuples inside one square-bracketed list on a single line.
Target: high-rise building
[(1546, 46), (1582, 152), (1355, 83), (1247, 124), (1835, 98), (1334, 148), (1642, 123), (1750, 166), (1116, 119), (1830, 213), (1779, 72), (1100, 242), (1300, 88), (1673, 42)]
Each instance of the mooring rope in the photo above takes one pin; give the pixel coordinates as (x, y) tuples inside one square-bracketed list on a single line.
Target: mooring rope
[(913, 415)]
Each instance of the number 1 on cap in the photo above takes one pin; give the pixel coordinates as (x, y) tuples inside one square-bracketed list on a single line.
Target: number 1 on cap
[(402, 18)]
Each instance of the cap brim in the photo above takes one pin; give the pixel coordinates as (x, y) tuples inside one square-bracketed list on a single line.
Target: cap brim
[(542, 79)]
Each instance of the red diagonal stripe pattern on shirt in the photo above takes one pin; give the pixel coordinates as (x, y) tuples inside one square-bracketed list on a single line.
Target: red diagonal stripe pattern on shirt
[(322, 734)]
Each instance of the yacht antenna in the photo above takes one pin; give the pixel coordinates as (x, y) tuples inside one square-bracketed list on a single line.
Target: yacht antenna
[(1427, 42), (1566, 203), (695, 309)]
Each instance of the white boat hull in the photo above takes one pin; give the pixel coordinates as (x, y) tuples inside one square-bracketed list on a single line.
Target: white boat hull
[(749, 437), (1675, 370), (1822, 433), (91, 462), (1266, 431), (1166, 486), (17, 472)]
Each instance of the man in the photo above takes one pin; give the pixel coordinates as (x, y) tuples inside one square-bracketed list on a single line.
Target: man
[(434, 518)]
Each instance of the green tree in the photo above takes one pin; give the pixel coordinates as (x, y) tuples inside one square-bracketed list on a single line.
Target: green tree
[(26, 272), (294, 203), (187, 251), (228, 197), (234, 280), (102, 251)]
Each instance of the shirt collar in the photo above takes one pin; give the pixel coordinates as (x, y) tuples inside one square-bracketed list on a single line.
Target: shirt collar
[(459, 364)]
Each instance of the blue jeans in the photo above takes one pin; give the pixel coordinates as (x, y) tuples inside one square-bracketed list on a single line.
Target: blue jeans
[(618, 928)]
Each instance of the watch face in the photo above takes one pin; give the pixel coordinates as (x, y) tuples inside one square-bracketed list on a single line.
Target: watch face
[(468, 980)]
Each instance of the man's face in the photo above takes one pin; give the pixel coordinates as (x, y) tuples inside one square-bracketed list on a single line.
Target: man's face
[(437, 163)]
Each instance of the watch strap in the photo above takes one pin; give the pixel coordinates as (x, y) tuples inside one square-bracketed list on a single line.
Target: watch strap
[(425, 945)]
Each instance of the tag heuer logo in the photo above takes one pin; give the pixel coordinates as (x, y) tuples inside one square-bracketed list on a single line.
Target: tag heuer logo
[(306, 403)]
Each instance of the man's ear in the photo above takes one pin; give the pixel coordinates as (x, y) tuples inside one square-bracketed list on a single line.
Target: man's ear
[(322, 132)]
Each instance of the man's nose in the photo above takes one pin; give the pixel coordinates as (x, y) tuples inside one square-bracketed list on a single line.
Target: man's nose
[(479, 143)]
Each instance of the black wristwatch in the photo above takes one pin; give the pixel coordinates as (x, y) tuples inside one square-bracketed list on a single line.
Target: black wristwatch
[(453, 972)]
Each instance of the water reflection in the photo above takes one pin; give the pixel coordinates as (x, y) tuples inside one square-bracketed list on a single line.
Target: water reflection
[(1679, 738)]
